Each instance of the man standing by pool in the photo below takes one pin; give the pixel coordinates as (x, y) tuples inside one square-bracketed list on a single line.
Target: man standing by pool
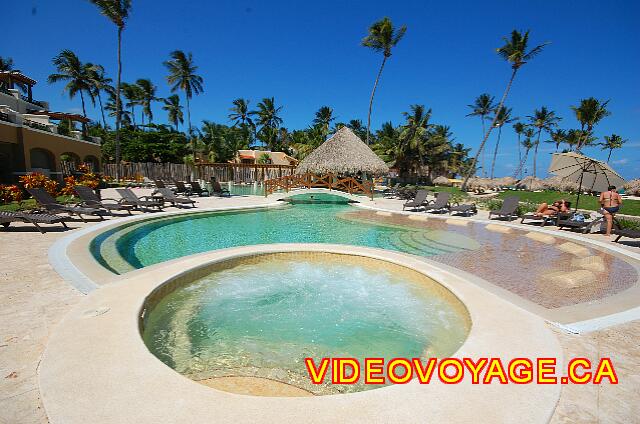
[(610, 202)]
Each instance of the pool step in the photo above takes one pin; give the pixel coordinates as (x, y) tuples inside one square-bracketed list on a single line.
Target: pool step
[(422, 238)]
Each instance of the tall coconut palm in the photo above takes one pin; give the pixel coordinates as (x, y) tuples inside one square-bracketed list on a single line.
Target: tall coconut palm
[(503, 117), (147, 96), (590, 112), (99, 83), (519, 128), (515, 52), (182, 76), (117, 11), (612, 142), (174, 110), (240, 114), (542, 119), (133, 94), (412, 138), (558, 137), (267, 113), (528, 143), (483, 106), (6, 64), (382, 37), (323, 118), (75, 73)]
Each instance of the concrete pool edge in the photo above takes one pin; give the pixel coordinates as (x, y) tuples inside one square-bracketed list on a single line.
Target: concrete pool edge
[(87, 350)]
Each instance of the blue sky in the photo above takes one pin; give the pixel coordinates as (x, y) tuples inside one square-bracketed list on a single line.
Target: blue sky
[(308, 54)]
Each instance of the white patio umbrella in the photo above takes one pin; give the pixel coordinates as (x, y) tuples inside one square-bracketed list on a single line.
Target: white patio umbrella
[(590, 174)]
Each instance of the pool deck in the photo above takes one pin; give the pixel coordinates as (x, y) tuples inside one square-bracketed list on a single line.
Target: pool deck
[(35, 299)]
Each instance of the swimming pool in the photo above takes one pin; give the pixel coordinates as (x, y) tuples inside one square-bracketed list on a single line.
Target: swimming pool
[(261, 316), (149, 242)]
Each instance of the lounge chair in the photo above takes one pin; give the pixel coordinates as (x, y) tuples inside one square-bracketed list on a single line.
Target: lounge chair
[(46, 201), (90, 199), (217, 189), (543, 219), (180, 187), (159, 184), (508, 210), (391, 192), (418, 201), (465, 209), (197, 189), (625, 233), (440, 204), (170, 196), (6, 218), (566, 220), (145, 202)]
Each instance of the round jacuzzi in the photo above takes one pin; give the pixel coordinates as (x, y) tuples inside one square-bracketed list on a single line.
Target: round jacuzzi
[(246, 324)]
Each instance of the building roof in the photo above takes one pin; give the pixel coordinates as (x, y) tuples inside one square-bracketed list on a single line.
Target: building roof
[(16, 76), (63, 116), (343, 153)]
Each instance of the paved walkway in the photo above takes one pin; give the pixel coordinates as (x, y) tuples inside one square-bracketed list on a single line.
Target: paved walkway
[(34, 299)]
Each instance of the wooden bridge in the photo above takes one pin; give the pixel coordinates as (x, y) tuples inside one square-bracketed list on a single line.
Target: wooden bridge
[(330, 180)]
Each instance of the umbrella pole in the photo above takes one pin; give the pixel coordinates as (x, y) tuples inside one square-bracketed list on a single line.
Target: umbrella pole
[(579, 190)]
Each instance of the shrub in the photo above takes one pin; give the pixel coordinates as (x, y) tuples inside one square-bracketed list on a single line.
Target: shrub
[(442, 181), (628, 224), (10, 193), (37, 180)]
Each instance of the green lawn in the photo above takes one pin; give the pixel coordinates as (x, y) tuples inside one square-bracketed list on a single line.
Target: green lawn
[(629, 207)]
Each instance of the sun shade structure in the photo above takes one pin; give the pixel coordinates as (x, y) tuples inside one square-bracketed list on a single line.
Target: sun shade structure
[(343, 153), (588, 173)]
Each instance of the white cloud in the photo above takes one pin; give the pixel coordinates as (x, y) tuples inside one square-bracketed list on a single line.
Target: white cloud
[(620, 161)]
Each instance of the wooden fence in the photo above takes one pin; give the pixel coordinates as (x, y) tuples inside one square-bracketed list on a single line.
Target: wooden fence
[(329, 180), (223, 172)]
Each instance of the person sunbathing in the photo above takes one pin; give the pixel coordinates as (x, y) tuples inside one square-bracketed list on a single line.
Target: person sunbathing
[(548, 210)]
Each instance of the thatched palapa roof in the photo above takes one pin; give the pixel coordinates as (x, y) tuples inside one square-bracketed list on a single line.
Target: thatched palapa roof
[(343, 153)]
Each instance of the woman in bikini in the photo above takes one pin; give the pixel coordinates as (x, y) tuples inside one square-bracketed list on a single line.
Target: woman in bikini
[(610, 202), (547, 210)]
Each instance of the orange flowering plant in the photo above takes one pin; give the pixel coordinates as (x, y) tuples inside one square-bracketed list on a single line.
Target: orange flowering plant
[(38, 180), (10, 193)]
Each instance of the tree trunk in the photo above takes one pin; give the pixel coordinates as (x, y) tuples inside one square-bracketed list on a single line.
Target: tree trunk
[(373, 93), (104, 121), (484, 130), (118, 104), (84, 111), (519, 149), (609, 157), (486, 136), (189, 123), (495, 152), (535, 152)]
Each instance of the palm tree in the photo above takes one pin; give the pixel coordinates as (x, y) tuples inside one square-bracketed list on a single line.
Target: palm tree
[(528, 144), (324, 117), (519, 128), (558, 137), (515, 52), (612, 142), (110, 106), (182, 76), (382, 37), (590, 112), (268, 119), (147, 95), (356, 126), (174, 110), (503, 116), (544, 120), (6, 64), (117, 11), (412, 138), (240, 112), (99, 83), (75, 73), (133, 94), (482, 107)]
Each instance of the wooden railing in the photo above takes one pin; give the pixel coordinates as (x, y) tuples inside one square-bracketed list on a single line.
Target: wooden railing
[(309, 180)]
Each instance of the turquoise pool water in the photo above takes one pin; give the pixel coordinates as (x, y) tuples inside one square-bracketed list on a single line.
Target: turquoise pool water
[(153, 241), (262, 317)]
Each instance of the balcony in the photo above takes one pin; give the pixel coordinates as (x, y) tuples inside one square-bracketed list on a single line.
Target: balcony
[(33, 102), (4, 117), (36, 125)]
